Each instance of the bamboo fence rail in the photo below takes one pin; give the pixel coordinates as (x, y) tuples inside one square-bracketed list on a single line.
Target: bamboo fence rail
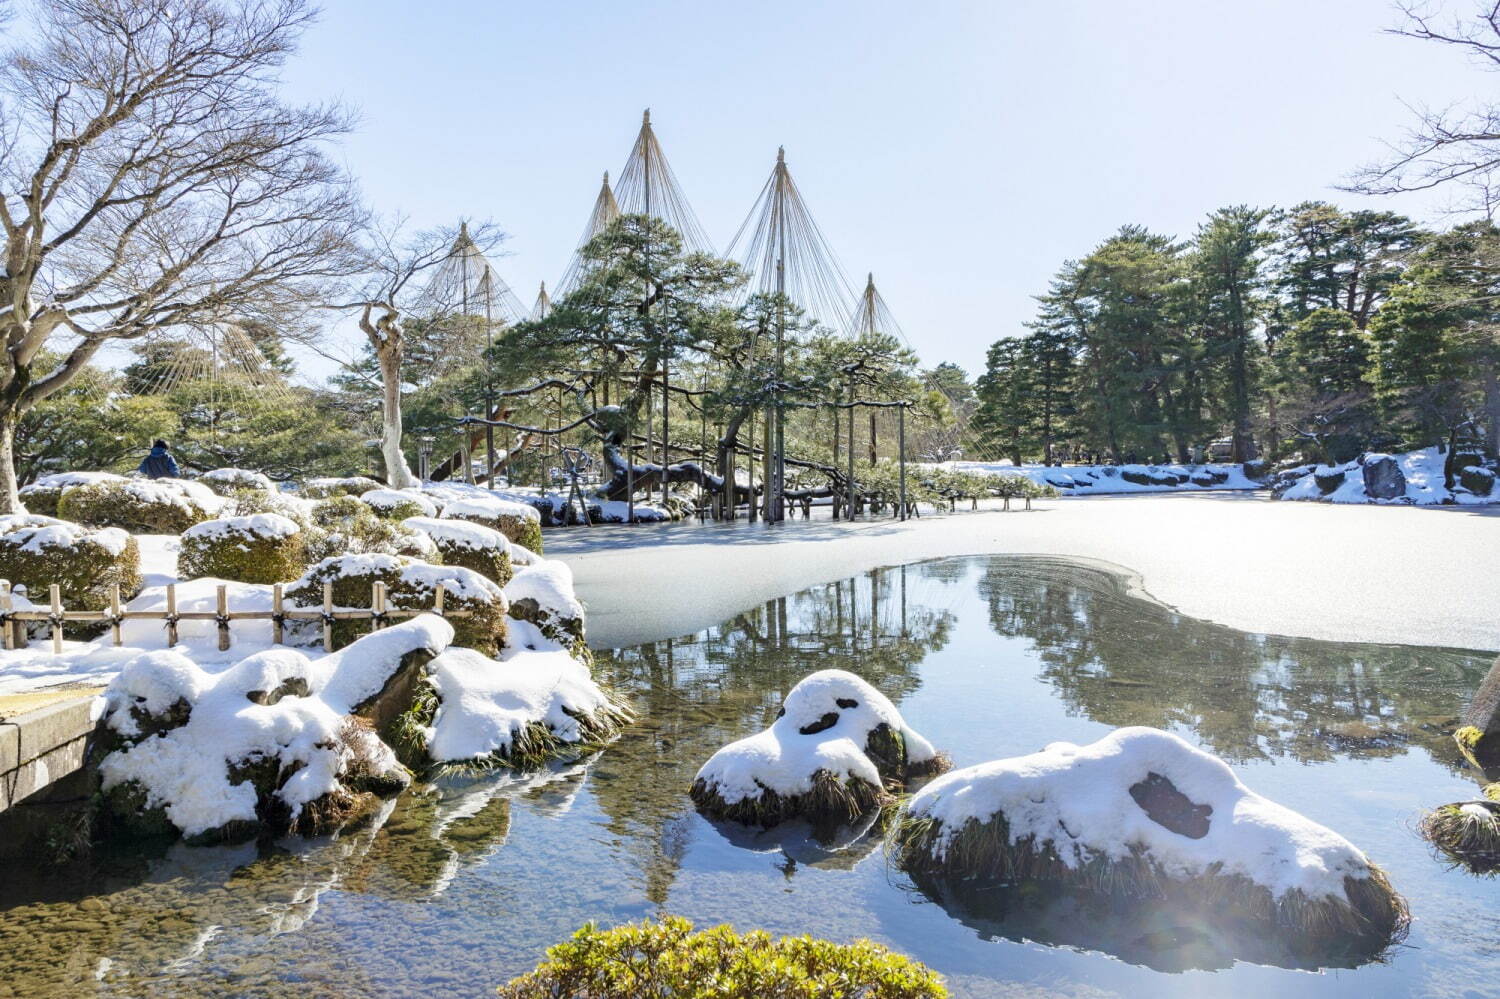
[(13, 622)]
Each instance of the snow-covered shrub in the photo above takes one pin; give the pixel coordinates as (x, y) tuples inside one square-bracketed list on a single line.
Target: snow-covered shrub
[(835, 746), (541, 594), (261, 548), (1467, 833), (345, 525), (42, 495), (84, 562), (228, 481), (478, 604), (398, 504), (327, 488), (1142, 812), (517, 521), (677, 961), (248, 502), (471, 545), (521, 710), (273, 744), (141, 506)]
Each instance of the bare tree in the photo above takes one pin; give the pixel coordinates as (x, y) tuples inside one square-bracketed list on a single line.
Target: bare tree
[(151, 178), (1458, 144), (405, 277)]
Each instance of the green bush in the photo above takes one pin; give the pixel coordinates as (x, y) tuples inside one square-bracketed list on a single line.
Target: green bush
[(410, 585), (228, 481), (141, 506), (396, 504), (677, 961), (344, 525), (262, 548), (329, 488), (517, 521), (39, 551), (41, 496), (473, 546)]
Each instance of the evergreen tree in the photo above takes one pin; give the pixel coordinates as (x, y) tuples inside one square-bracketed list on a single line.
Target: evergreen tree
[(1227, 304)]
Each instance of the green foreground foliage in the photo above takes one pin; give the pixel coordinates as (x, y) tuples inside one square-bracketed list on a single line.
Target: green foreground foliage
[(671, 960)]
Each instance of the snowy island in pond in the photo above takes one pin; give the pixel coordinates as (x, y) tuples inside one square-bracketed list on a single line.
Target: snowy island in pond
[(836, 747), (1415, 478), (1142, 813), (1091, 480)]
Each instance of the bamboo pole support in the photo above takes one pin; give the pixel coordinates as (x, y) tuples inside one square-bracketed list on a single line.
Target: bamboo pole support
[(221, 597), (6, 606), (377, 605), (171, 614), (277, 631), (55, 593), (115, 637), (327, 617), (437, 600)]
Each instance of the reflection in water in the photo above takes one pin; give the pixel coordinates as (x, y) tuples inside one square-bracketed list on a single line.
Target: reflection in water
[(458, 886)]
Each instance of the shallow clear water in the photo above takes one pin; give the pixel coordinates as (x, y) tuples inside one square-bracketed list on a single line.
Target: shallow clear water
[(463, 885)]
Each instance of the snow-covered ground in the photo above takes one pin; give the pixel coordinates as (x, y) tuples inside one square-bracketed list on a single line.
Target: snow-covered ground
[(1348, 573), (1092, 480), (1422, 470)]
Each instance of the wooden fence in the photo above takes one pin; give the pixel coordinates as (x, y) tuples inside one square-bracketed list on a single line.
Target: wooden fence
[(13, 622)]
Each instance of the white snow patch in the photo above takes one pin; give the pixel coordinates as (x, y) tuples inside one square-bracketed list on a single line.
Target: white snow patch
[(1092, 480)]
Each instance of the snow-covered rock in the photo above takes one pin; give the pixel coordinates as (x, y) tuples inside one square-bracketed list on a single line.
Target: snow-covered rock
[(271, 744), (1142, 807), (541, 594), (835, 745)]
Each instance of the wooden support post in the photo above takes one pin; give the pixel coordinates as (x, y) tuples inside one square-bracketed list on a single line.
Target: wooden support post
[(901, 453), (221, 610), (171, 614), (327, 617), (115, 637), (7, 604), (437, 600), (55, 592), (377, 605), (278, 632)]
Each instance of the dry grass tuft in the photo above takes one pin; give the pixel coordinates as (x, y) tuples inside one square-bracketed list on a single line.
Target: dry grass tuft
[(1467, 833)]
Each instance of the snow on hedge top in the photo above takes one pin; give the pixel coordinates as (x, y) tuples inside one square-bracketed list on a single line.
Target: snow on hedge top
[(66, 480), (490, 507), (550, 583), (255, 525), (32, 533), (1077, 800), (486, 704), (458, 533), (455, 579), (784, 759), (186, 770), (182, 493), (239, 478), (389, 499)]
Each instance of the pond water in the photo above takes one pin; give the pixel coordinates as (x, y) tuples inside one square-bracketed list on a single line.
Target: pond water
[(463, 885)]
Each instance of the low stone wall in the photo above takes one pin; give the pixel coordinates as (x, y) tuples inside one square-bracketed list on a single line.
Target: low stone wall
[(42, 752)]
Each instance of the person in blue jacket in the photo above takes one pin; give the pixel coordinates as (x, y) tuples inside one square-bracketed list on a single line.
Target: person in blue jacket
[(160, 464)]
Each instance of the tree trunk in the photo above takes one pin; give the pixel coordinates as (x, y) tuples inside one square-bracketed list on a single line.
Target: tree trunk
[(1492, 409), (397, 472), (10, 497), (874, 448)]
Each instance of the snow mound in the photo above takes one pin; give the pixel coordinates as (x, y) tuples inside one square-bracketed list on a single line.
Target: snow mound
[(541, 594), (1086, 803), (834, 746), (524, 705)]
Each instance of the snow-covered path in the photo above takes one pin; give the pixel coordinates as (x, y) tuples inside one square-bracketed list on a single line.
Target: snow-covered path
[(1348, 573)]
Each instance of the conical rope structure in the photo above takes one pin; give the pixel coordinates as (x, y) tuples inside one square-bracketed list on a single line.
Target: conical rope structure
[(647, 186), (606, 210)]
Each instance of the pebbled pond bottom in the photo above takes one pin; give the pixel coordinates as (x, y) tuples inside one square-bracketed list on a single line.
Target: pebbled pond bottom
[(462, 885)]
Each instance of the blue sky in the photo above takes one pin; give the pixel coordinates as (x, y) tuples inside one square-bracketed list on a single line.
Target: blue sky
[(960, 151)]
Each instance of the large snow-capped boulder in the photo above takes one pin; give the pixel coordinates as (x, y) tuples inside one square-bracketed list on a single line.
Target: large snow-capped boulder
[(84, 562), (1328, 479), (1382, 476), (273, 744), (519, 710), (541, 595), (1141, 810), (1476, 479), (141, 506), (260, 548), (471, 545), (835, 746)]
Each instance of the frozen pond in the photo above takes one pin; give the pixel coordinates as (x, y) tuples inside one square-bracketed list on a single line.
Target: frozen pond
[(463, 885)]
